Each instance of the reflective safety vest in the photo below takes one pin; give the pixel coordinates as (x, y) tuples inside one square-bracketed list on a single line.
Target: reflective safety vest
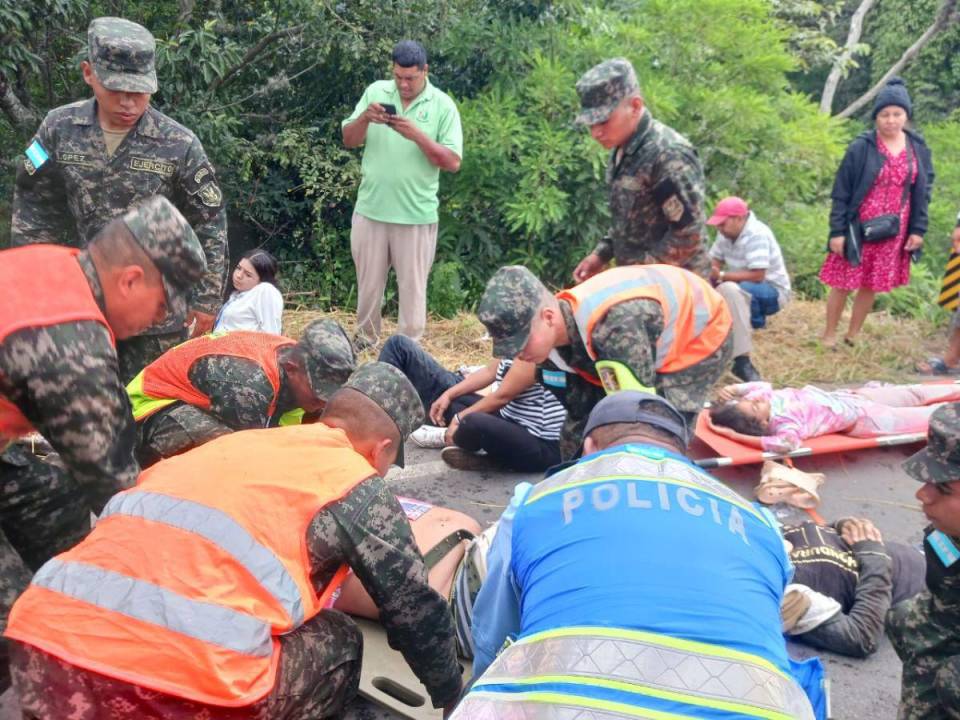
[(647, 589), (167, 379), (696, 319), (43, 285), (188, 580)]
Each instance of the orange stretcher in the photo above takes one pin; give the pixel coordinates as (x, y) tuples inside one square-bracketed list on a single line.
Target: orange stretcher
[(732, 452)]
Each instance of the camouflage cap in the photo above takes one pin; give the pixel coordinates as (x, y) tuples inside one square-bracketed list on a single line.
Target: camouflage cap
[(391, 390), (169, 241), (939, 461), (122, 55), (508, 307), (329, 357), (602, 88)]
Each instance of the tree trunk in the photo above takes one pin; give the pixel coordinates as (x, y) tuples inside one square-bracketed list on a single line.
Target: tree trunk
[(946, 17), (836, 72), (19, 115)]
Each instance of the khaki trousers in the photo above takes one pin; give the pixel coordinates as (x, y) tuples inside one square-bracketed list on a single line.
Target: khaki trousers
[(409, 249), (738, 300)]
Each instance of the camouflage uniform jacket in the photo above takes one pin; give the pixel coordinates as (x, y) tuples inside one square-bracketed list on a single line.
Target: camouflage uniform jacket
[(369, 531), (64, 379), (925, 632), (79, 188), (366, 530), (656, 201), (240, 394)]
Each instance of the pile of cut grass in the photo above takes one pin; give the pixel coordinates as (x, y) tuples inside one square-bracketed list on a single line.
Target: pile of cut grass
[(787, 352)]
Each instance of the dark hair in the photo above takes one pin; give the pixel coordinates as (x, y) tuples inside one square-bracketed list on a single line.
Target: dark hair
[(408, 53), (730, 415), (263, 262)]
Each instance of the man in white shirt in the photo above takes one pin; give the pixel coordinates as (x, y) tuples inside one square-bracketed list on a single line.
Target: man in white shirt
[(748, 270)]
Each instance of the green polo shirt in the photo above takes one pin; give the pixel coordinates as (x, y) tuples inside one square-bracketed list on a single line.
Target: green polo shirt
[(399, 184)]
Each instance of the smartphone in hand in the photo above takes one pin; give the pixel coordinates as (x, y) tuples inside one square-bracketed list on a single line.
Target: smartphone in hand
[(389, 108)]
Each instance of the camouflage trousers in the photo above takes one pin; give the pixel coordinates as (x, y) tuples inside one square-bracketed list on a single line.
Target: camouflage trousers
[(319, 674), (925, 632), (135, 353), (174, 430), (42, 513), (686, 390)]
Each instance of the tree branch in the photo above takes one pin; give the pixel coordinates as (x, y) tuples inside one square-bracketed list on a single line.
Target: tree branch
[(252, 54), (19, 115), (946, 16), (836, 72)]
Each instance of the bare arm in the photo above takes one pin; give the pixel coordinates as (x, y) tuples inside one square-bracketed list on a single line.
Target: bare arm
[(518, 378), (473, 382), (745, 275), (439, 155), (355, 133)]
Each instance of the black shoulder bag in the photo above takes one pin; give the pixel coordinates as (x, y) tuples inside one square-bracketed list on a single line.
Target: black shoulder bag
[(884, 227)]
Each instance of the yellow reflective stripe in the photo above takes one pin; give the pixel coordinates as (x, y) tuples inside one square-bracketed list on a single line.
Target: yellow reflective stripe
[(142, 404), (644, 689), (691, 646), (556, 698), (742, 504), (616, 376), (292, 417)]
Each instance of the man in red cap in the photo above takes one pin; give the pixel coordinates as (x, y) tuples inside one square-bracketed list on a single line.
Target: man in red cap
[(747, 269)]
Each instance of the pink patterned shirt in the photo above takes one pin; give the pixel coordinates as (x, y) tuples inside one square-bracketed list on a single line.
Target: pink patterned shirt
[(798, 414)]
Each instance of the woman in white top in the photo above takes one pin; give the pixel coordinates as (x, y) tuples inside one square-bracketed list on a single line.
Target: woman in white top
[(255, 302)]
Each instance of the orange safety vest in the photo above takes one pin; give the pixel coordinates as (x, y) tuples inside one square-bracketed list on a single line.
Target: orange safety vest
[(696, 319), (188, 580), (168, 377), (46, 286)]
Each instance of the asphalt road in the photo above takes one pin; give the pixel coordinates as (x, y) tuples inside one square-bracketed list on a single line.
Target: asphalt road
[(866, 483)]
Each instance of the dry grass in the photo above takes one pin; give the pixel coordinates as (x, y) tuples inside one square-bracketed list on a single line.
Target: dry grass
[(787, 352)]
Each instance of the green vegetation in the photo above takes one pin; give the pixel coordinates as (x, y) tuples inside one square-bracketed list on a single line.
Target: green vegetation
[(265, 85)]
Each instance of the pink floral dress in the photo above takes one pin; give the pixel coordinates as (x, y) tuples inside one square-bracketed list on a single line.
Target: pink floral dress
[(885, 265)]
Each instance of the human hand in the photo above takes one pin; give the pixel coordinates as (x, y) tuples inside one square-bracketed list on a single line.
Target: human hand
[(914, 242), (438, 408), (404, 126), (201, 322), (727, 393), (955, 239), (714, 274), (375, 114), (451, 429), (854, 530), (836, 244), (588, 267)]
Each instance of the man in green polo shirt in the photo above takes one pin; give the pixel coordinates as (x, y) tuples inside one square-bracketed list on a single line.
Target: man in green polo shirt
[(411, 131)]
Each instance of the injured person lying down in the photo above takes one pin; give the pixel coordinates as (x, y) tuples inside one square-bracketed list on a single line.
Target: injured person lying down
[(780, 420)]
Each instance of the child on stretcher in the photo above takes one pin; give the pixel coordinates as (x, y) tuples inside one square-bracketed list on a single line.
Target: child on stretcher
[(781, 420)]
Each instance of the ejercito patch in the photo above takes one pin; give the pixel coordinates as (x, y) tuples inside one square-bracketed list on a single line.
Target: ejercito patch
[(672, 208), (210, 195), (153, 166), (28, 166), (200, 174)]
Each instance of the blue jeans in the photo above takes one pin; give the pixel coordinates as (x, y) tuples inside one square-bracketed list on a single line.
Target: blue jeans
[(764, 301)]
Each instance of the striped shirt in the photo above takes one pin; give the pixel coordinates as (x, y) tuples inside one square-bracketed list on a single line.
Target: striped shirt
[(536, 409), (754, 249)]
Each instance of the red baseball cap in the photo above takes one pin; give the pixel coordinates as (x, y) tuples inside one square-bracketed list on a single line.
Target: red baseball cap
[(729, 207)]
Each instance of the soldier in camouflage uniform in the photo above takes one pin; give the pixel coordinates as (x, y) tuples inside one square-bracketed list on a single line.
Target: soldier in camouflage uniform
[(92, 160), (62, 376), (526, 321), (656, 179), (925, 630), (240, 393), (320, 660)]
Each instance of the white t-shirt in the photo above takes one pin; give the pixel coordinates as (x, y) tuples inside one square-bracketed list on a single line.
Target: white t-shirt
[(260, 309)]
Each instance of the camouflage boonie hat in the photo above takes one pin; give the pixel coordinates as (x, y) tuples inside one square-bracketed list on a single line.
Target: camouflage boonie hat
[(602, 88), (328, 357), (507, 308), (939, 461), (169, 241), (122, 55), (391, 390)]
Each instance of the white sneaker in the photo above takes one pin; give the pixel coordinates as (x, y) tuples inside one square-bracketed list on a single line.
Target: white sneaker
[(429, 436)]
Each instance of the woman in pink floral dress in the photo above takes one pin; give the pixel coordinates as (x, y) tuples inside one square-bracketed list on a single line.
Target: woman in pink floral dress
[(870, 183)]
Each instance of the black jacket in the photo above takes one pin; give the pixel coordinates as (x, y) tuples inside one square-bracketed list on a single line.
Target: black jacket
[(860, 166)]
